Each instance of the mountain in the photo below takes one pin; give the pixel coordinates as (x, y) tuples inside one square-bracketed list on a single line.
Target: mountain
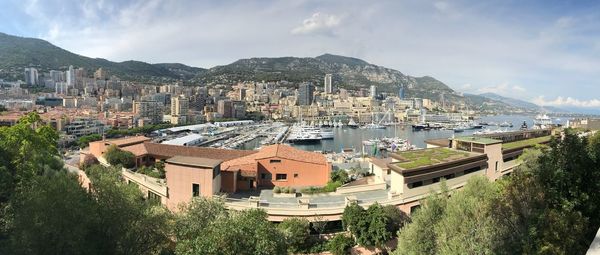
[(17, 53), (521, 104), (348, 72)]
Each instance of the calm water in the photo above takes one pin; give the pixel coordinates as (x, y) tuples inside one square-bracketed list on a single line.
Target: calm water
[(353, 138)]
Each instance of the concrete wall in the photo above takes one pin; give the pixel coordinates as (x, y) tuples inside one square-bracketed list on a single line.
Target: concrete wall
[(229, 181), (180, 179), (397, 183), (97, 148), (308, 174), (494, 153)]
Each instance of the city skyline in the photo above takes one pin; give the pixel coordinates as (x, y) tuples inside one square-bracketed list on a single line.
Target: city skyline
[(541, 52)]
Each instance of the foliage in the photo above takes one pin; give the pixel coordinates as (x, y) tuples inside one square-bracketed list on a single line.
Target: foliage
[(340, 244), (205, 227), (319, 224), (2, 108), (146, 129), (397, 218), (329, 187), (85, 140), (296, 232), (70, 220), (115, 156), (152, 171), (277, 190), (88, 161), (340, 176), (369, 227)]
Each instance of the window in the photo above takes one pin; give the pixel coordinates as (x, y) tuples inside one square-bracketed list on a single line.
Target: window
[(416, 184), (265, 176), (153, 197), (496, 166), (273, 161), (474, 169), (448, 177), (295, 175), (281, 177), (435, 180), (195, 189)]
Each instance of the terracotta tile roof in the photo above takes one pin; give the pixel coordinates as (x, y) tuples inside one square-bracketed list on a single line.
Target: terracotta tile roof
[(289, 152), (137, 149), (168, 151), (276, 150), (121, 142), (194, 161)]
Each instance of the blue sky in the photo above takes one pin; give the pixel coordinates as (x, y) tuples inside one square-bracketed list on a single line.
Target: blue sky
[(547, 52)]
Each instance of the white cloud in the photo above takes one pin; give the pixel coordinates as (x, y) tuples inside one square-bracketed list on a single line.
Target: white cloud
[(441, 6), (518, 88), (318, 23), (566, 101), (503, 89)]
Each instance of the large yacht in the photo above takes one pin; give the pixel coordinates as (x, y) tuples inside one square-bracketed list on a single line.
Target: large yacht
[(542, 121)]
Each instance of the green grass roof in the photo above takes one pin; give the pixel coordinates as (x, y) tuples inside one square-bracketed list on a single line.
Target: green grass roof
[(478, 140), (526, 143), (426, 157)]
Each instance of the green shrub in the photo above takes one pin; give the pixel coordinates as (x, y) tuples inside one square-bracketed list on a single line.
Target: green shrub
[(116, 156), (340, 244), (277, 190), (291, 190), (284, 189)]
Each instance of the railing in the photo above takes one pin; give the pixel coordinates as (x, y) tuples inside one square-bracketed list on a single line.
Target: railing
[(157, 186)]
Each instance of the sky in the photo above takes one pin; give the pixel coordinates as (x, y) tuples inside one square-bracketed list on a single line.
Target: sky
[(546, 52)]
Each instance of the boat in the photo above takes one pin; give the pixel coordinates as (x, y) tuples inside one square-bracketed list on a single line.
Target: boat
[(542, 121), (458, 129), (326, 134), (524, 126), (352, 124), (506, 124), (373, 126), (421, 126)]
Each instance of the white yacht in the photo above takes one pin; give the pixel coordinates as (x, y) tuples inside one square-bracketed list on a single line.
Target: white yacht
[(542, 121)]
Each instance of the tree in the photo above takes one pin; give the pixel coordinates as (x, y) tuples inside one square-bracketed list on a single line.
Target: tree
[(126, 222), (205, 227), (54, 217), (296, 232), (340, 176), (88, 161), (319, 224), (396, 218), (340, 244), (83, 141), (116, 156), (419, 237), (369, 227)]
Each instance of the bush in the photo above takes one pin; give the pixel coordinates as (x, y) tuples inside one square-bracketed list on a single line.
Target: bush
[(116, 156), (340, 176), (88, 161), (340, 244), (284, 189), (291, 190), (277, 190), (296, 232)]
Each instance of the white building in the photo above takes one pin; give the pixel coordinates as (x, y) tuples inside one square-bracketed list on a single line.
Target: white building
[(373, 91), (188, 140), (328, 84)]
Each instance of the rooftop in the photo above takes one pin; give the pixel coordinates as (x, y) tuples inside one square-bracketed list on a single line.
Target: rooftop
[(128, 140), (194, 161), (477, 140), (428, 157), (526, 143)]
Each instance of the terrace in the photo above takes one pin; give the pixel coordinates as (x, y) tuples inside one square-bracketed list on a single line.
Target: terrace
[(427, 157)]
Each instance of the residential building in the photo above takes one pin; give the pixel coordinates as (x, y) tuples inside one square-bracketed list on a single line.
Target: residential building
[(84, 126), (328, 88), (179, 110), (373, 91), (101, 74), (225, 108), (31, 76), (152, 110), (305, 93)]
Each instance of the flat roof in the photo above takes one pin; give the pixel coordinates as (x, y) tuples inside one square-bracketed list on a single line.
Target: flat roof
[(194, 161), (184, 139), (477, 140), (428, 157), (128, 140), (527, 142)]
